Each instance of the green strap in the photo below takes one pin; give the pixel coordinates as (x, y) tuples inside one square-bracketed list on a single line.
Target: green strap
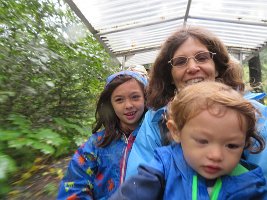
[(215, 191), (194, 188), (239, 169)]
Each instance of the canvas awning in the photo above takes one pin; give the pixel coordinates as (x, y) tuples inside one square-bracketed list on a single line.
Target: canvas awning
[(133, 30)]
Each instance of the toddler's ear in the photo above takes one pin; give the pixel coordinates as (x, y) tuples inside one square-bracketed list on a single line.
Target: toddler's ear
[(175, 133)]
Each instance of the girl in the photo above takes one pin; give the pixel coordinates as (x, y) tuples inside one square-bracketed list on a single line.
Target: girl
[(98, 166)]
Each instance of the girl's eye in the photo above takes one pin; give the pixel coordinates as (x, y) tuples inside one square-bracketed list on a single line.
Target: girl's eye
[(135, 97), (118, 100)]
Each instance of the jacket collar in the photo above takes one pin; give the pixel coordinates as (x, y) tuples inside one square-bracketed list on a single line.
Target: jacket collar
[(157, 115)]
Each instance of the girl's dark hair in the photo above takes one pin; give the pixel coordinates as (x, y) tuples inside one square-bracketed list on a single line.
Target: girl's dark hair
[(161, 88), (105, 115)]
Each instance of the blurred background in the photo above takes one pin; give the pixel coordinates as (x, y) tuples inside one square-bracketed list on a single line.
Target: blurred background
[(51, 72)]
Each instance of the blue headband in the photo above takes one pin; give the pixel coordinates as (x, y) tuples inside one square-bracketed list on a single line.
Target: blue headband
[(135, 75)]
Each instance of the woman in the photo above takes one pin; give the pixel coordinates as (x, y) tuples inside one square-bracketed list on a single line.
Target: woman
[(190, 55)]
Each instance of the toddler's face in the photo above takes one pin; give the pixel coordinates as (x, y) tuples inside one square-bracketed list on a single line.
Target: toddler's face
[(213, 145)]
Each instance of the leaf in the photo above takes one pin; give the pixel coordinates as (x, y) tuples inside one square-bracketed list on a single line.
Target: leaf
[(6, 135), (20, 121), (50, 83), (8, 93), (7, 164), (46, 149), (21, 142), (66, 124), (49, 137)]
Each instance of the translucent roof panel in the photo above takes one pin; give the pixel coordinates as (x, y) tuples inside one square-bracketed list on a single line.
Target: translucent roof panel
[(132, 31)]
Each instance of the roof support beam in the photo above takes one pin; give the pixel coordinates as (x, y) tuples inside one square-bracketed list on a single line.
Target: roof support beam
[(187, 11), (180, 18), (140, 26), (229, 21), (90, 27), (132, 52)]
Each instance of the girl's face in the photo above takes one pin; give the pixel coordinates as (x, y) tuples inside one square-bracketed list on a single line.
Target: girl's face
[(128, 103), (213, 145), (192, 72)]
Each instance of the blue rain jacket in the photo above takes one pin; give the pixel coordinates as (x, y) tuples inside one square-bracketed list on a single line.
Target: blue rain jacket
[(169, 177), (149, 137), (96, 172)]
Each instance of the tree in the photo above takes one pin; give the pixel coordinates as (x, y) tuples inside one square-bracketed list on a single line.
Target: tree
[(255, 73), (51, 72)]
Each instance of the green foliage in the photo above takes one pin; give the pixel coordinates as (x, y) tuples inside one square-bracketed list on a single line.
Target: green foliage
[(51, 189), (51, 72), (65, 126), (7, 165), (22, 138), (263, 60)]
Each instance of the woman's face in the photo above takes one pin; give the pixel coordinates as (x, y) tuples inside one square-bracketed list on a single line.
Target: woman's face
[(192, 72)]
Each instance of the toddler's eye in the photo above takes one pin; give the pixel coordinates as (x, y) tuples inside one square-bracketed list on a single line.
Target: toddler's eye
[(233, 146), (201, 141)]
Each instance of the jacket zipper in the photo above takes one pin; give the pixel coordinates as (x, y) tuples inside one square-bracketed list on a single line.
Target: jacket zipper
[(125, 153)]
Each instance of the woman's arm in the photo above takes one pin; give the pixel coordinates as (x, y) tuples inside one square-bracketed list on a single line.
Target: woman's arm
[(146, 141)]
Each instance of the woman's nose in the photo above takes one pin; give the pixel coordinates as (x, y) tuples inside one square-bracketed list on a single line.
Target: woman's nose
[(192, 66)]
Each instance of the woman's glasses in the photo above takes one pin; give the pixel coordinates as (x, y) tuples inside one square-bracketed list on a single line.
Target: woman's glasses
[(201, 57)]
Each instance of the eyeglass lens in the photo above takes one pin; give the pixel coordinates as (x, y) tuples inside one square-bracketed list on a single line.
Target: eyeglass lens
[(200, 58)]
